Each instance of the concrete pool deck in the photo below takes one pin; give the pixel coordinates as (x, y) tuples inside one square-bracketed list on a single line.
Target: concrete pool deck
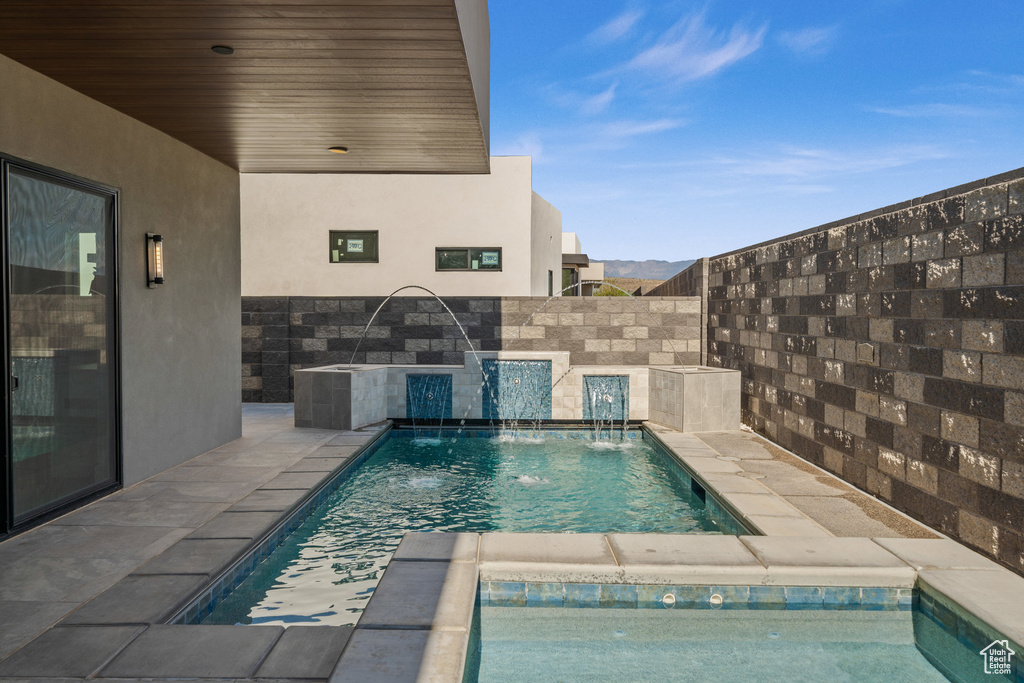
[(88, 595)]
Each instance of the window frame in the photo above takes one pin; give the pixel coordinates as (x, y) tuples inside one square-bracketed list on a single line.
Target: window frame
[(8, 524), (334, 235), (469, 260)]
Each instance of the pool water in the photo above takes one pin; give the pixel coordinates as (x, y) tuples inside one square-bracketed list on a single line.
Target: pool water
[(539, 644), (325, 572)]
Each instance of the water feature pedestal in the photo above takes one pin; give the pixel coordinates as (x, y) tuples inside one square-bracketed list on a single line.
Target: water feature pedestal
[(695, 398), (341, 397), (688, 398)]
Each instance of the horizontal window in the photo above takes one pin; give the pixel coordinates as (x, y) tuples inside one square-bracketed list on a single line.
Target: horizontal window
[(353, 246), (468, 258)]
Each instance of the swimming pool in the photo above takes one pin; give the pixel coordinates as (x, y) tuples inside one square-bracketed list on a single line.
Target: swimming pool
[(326, 570)]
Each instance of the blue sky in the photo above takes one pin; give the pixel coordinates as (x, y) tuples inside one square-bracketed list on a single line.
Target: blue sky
[(673, 130)]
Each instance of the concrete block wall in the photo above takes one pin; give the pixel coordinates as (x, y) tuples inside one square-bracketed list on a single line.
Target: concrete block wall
[(282, 334), (888, 348)]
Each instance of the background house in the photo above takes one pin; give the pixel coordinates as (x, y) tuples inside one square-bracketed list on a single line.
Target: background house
[(577, 269), (454, 234)]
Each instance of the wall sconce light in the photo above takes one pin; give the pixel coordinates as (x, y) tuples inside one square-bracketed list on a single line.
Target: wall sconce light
[(154, 259)]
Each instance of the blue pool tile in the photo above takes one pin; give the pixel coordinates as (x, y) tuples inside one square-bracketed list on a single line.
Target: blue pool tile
[(924, 601), (507, 594), (615, 595), (651, 597), (484, 593), (906, 599), (841, 598), (544, 594), (767, 597), (876, 599), (582, 595), (733, 597), (804, 597), (970, 635), (693, 597)]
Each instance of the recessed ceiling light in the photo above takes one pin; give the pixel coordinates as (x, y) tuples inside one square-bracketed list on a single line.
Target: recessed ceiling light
[(338, 150), (223, 49)]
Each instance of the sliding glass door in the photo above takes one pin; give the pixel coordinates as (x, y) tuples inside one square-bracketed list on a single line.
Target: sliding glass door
[(61, 341)]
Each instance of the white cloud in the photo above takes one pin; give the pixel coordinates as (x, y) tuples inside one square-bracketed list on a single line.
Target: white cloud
[(690, 49), (598, 103), (796, 162), (932, 110), (809, 40), (1011, 80), (587, 105), (628, 129), (615, 29)]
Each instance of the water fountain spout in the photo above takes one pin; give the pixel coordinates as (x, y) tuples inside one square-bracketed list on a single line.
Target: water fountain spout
[(469, 343)]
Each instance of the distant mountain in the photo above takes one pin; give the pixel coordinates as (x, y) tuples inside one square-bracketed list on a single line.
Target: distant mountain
[(645, 270)]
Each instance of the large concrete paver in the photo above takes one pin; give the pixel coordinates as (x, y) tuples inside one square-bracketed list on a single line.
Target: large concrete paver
[(422, 594), (932, 553), (306, 652), (186, 491), (382, 656), (61, 579), (829, 561), (304, 436), (995, 597), (195, 556), (312, 464), (137, 599), (332, 451), (144, 513), (438, 547), (194, 652), (771, 525), (22, 620), (676, 549), (565, 548), (69, 651), (294, 480), (219, 473), (726, 483), (272, 500), (685, 559), (819, 552), (98, 542), (346, 439), (265, 457), (237, 525)]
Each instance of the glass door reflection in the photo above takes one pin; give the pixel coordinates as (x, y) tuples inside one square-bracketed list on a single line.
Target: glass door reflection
[(62, 341)]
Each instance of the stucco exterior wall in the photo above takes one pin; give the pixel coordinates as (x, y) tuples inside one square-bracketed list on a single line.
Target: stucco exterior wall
[(546, 246), (286, 220), (180, 343)]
